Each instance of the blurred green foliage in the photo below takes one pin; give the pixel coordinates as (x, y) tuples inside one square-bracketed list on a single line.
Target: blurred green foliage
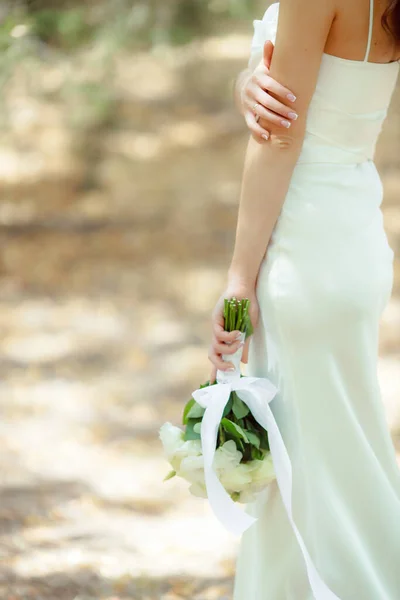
[(68, 28), (137, 23), (38, 32)]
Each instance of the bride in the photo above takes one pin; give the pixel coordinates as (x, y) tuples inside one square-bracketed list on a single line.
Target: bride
[(312, 255)]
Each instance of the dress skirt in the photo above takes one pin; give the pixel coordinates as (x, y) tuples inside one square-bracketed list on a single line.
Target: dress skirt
[(323, 284)]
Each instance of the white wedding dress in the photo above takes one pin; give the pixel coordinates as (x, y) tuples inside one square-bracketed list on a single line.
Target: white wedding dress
[(322, 286)]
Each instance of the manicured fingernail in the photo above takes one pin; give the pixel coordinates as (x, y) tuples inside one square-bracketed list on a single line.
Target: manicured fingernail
[(265, 136), (241, 344), (285, 123), (238, 336), (291, 97), (231, 369), (293, 115)]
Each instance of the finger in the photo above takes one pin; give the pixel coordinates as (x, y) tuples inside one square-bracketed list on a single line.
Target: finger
[(256, 106), (264, 123), (217, 361), (268, 115), (265, 100), (260, 134), (266, 82), (213, 375), (226, 348), (268, 51), (224, 336)]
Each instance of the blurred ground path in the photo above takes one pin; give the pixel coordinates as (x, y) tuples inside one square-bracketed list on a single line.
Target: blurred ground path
[(115, 239)]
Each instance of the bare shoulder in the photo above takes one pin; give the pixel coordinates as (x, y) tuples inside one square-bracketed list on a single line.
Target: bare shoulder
[(303, 27), (312, 9)]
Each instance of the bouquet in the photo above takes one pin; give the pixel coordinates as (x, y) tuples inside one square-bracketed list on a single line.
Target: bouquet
[(223, 450)]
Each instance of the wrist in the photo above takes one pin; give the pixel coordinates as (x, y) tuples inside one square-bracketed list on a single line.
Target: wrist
[(240, 281)]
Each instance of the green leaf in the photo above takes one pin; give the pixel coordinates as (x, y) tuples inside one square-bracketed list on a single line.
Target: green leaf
[(234, 429), (197, 427), (264, 441), (169, 475), (228, 406), (239, 443), (239, 408), (192, 402), (253, 438), (256, 428), (195, 411), (190, 433), (186, 410), (256, 453), (239, 422), (206, 384), (222, 438)]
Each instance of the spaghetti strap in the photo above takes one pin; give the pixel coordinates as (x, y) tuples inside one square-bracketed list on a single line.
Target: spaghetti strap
[(371, 25)]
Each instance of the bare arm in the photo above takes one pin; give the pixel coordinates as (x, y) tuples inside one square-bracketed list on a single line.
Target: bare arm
[(269, 167)]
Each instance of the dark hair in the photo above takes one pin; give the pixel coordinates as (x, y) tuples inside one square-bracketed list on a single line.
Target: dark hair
[(391, 19)]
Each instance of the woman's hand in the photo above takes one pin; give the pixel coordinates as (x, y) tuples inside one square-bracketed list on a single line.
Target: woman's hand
[(259, 108), (224, 342)]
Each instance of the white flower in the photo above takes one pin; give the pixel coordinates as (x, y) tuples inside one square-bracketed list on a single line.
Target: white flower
[(176, 448), (192, 463), (264, 472), (186, 458), (192, 469), (227, 456), (247, 496), (236, 479), (198, 489), (189, 448), (171, 438)]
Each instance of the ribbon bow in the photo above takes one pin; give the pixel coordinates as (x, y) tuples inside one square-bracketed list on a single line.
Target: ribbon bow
[(256, 393)]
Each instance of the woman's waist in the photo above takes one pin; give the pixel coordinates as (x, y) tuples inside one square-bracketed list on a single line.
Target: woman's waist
[(318, 150), (325, 197), (335, 135)]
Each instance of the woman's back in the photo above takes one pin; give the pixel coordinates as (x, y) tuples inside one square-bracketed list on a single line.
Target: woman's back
[(357, 33), (351, 98)]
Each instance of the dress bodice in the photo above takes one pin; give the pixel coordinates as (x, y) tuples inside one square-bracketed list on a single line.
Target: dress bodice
[(349, 104)]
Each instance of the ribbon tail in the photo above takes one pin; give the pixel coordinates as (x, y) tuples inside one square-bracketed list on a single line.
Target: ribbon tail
[(255, 398), (225, 509)]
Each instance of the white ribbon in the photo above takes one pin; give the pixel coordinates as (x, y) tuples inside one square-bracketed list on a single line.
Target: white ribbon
[(256, 392)]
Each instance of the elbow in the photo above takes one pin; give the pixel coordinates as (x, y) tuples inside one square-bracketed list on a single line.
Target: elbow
[(285, 142)]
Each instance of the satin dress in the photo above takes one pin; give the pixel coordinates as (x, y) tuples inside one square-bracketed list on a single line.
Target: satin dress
[(323, 283)]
